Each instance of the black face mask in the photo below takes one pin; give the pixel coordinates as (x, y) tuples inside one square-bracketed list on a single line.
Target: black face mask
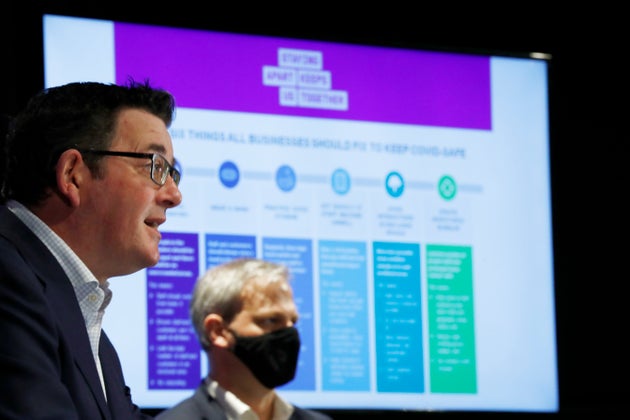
[(271, 357)]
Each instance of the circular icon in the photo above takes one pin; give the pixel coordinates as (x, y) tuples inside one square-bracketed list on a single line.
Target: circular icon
[(228, 174), (394, 184), (285, 178), (340, 181), (447, 187)]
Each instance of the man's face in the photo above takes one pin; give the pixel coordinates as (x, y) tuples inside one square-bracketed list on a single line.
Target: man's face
[(267, 307), (125, 207)]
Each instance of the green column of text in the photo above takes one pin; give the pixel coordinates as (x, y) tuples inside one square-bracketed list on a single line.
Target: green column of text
[(451, 319)]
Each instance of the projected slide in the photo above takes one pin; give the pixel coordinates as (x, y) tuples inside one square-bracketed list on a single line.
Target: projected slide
[(408, 191)]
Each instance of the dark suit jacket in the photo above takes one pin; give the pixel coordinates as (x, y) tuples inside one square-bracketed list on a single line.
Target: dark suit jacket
[(46, 364), (201, 406)]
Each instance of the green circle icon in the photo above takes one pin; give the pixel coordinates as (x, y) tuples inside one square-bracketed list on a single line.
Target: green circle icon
[(447, 187)]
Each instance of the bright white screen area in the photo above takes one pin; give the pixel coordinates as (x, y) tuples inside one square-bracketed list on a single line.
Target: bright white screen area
[(407, 190)]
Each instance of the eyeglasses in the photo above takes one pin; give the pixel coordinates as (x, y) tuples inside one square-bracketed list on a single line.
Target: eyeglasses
[(160, 168)]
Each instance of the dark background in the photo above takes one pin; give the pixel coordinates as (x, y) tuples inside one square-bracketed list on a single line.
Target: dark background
[(589, 103)]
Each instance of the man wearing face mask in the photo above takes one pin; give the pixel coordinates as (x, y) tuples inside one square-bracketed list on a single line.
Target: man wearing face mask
[(244, 315)]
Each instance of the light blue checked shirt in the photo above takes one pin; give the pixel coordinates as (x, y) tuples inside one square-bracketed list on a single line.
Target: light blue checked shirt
[(93, 297)]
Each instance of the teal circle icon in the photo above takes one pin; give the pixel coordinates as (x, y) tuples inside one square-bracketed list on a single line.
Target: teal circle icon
[(394, 184), (447, 187)]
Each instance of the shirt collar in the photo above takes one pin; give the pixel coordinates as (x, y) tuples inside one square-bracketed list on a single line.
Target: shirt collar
[(82, 279), (235, 409)]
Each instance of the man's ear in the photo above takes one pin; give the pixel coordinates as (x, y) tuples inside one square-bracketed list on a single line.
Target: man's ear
[(215, 330), (70, 172)]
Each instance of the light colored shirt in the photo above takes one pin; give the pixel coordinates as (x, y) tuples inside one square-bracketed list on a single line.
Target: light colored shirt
[(235, 409), (93, 297)]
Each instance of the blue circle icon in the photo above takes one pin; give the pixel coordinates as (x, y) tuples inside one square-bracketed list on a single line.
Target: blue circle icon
[(394, 184), (340, 181), (285, 178), (228, 174)]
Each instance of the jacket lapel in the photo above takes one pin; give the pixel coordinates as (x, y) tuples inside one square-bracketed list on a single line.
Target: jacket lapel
[(62, 299)]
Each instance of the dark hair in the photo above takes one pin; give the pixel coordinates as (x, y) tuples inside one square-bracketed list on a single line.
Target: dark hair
[(75, 115)]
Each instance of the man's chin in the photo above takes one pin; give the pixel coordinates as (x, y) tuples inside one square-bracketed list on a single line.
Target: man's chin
[(154, 260), (150, 259)]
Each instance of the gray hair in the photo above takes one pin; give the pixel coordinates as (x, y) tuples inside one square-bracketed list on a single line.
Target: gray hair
[(218, 290)]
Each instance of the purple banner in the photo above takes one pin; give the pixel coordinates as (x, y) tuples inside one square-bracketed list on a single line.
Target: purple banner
[(174, 351), (269, 75)]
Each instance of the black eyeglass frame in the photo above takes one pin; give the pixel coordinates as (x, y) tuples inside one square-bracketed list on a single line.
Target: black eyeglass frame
[(170, 169)]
